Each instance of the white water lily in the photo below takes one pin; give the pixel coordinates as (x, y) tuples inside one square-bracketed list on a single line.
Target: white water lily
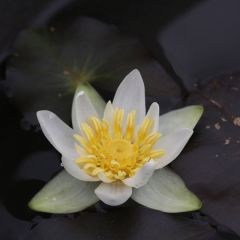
[(118, 149)]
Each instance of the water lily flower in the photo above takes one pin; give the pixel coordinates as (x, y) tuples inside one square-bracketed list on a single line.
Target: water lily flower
[(119, 149)]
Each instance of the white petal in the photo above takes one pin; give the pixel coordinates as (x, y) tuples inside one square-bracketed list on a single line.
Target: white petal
[(142, 176), (186, 117), (113, 194), (82, 110), (96, 100), (58, 133), (130, 95), (108, 112), (73, 169), (104, 178), (153, 113), (172, 144)]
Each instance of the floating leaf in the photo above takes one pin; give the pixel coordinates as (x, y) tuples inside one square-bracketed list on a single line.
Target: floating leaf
[(130, 223), (20, 15), (198, 47), (64, 194), (166, 192), (12, 227), (211, 164), (49, 64)]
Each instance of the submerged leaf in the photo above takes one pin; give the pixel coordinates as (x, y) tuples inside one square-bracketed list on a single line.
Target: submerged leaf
[(64, 194), (166, 192)]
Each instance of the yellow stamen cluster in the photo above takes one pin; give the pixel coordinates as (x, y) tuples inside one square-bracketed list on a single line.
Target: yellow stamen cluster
[(116, 149)]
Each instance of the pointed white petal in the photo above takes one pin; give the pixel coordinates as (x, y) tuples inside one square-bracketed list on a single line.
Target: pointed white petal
[(186, 117), (96, 100), (153, 113), (113, 194), (108, 115), (172, 144), (130, 95), (64, 194), (73, 169), (82, 110), (108, 112), (166, 192), (104, 178), (58, 133), (142, 176)]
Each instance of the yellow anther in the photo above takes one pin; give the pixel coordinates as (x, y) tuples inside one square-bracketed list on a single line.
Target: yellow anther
[(145, 148), (152, 138), (117, 123), (96, 171), (115, 164), (156, 154), (118, 148), (131, 118), (80, 139), (89, 165), (88, 131), (145, 127), (96, 124), (120, 175), (84, 143), (86, 159)]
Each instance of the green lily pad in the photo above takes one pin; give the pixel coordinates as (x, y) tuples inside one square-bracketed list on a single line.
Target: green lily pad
[(166, 192), (211, 164), (64, 194), (49, 63), (130, 223)]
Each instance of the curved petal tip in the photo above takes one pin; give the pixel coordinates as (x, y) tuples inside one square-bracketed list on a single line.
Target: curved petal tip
[(113, 194)]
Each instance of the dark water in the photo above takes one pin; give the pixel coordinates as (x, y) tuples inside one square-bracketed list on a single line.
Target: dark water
[(188, 52)]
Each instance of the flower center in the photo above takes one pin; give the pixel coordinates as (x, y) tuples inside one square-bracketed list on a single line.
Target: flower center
[(116, 148), (120, 150)]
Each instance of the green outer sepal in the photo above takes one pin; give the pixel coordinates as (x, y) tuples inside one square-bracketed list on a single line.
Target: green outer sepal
[(64, 194), (166, 192), (186, 117)]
